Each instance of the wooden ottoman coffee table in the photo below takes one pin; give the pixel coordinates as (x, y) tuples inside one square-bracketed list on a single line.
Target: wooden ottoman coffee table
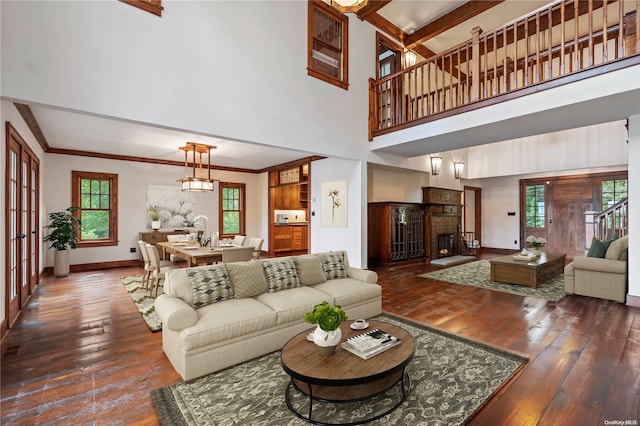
[(343, 376), (527, 272)]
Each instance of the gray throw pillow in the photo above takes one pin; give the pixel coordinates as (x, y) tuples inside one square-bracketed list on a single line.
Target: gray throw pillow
[(333, 266), (310, 269), (247, 279), (281, 274), (209, 285)]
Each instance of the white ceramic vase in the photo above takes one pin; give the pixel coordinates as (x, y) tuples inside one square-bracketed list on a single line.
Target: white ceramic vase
[(536, 252), (327, 339), (155, 224)]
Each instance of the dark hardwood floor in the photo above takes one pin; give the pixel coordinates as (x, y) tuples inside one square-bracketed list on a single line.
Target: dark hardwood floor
[(80, 352)]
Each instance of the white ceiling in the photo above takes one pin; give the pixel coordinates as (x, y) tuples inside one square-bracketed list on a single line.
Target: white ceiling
[(75, 131)]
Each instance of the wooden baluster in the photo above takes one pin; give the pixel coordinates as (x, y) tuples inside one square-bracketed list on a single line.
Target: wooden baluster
[(576, 65), (619, 44), (550, 44), (637, 26), (475, 54), (428, 91), (451, 80), (526, 53), (494, 53), (505, 69), (590, 53), (536, 76), (563, 22), (515, 54), (372, 108), (605, 31)]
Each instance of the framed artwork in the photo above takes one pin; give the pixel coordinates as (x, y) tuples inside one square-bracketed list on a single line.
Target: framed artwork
[(174, 206), (334, 204)]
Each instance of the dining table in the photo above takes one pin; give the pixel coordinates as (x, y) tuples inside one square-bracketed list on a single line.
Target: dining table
[(192, 253)]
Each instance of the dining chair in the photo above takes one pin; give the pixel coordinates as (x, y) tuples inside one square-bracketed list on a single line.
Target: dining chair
[(237, 254), (256, 243), (177, 238), (157, 268), (147, 263), (239, 240)]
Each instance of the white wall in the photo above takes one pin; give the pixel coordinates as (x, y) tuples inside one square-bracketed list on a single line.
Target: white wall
[(634, 195), (197, 68), (133, 179), (353, 238)]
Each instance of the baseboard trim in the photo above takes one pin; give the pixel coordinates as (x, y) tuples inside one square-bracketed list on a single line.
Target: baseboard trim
[(633, 301), (95, 266)]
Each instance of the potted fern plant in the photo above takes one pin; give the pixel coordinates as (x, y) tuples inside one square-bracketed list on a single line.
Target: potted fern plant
[(64, 228)]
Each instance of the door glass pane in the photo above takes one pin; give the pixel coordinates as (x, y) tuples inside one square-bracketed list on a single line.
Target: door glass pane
[(534, 206)]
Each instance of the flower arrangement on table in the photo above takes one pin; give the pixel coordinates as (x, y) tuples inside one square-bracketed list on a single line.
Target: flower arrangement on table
[(328, 318), (200, 221), (536, 242)]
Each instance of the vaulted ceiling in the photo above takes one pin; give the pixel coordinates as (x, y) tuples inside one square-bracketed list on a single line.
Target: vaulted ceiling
[(426, 27)]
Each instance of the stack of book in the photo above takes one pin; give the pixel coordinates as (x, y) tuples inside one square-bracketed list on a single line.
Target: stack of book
[(371, 343)]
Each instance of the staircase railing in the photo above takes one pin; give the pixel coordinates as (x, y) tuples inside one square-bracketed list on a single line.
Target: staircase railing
[(562, 38), (612, 221)]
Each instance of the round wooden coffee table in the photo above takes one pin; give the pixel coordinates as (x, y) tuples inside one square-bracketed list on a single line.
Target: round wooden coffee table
[(343, 376)]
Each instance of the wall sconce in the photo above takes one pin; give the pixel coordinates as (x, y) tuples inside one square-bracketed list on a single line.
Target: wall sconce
[(436, 162), (458, 167)]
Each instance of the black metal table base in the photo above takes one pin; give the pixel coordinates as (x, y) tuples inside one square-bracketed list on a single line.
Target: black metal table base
[(404, 382)]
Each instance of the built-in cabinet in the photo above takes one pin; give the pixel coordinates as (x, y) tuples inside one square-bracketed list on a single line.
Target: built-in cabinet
[(399, 232), (395, 232), (289, 197)]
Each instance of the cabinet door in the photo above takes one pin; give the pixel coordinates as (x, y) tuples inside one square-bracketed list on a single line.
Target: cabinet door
[(398, 234), (415, 233)]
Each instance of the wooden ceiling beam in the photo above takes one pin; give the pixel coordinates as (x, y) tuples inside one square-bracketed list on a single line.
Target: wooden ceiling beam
[(32, 124), (459, 15), (372, 7)]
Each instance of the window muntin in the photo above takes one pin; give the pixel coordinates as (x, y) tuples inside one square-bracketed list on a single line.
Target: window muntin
[(328, 44), (613, 191), (534, 206), (232, 213), (96, 195)]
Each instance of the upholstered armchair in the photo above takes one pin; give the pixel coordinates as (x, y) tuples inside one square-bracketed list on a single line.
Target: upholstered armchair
[(604, 278)]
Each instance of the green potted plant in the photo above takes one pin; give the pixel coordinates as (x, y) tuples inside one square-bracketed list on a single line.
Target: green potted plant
[(154, 215), (64, 228), (328, 318)]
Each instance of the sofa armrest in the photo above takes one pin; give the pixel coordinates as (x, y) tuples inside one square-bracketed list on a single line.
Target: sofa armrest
[(363, 275), (175, 313), (599, 265)]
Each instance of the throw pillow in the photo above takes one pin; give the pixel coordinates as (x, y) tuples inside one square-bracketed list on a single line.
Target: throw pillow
[(599, 247), (210, 285), (310, 270), (333, 266), (247, 279), (281, 274)]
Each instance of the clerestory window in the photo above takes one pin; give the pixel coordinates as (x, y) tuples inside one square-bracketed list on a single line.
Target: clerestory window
[(327, 56)]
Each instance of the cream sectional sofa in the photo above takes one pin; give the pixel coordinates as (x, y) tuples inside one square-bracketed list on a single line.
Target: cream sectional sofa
[(220, 315)]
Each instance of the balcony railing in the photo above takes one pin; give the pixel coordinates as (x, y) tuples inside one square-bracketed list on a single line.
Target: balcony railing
[(563, 38)]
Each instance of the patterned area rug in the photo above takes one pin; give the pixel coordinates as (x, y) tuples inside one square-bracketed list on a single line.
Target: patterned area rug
[(451, 378), (478, 274), (143, 300)]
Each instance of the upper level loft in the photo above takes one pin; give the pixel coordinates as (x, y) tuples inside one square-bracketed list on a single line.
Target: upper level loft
[(565, 41)]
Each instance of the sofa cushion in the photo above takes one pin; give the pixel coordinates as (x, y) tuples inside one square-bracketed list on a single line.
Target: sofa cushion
[(228, 320), (293, 304), (349, 291), (309, 269), (617, 249), (209, 285), (333, 266), (281, 274), (247, 279)]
